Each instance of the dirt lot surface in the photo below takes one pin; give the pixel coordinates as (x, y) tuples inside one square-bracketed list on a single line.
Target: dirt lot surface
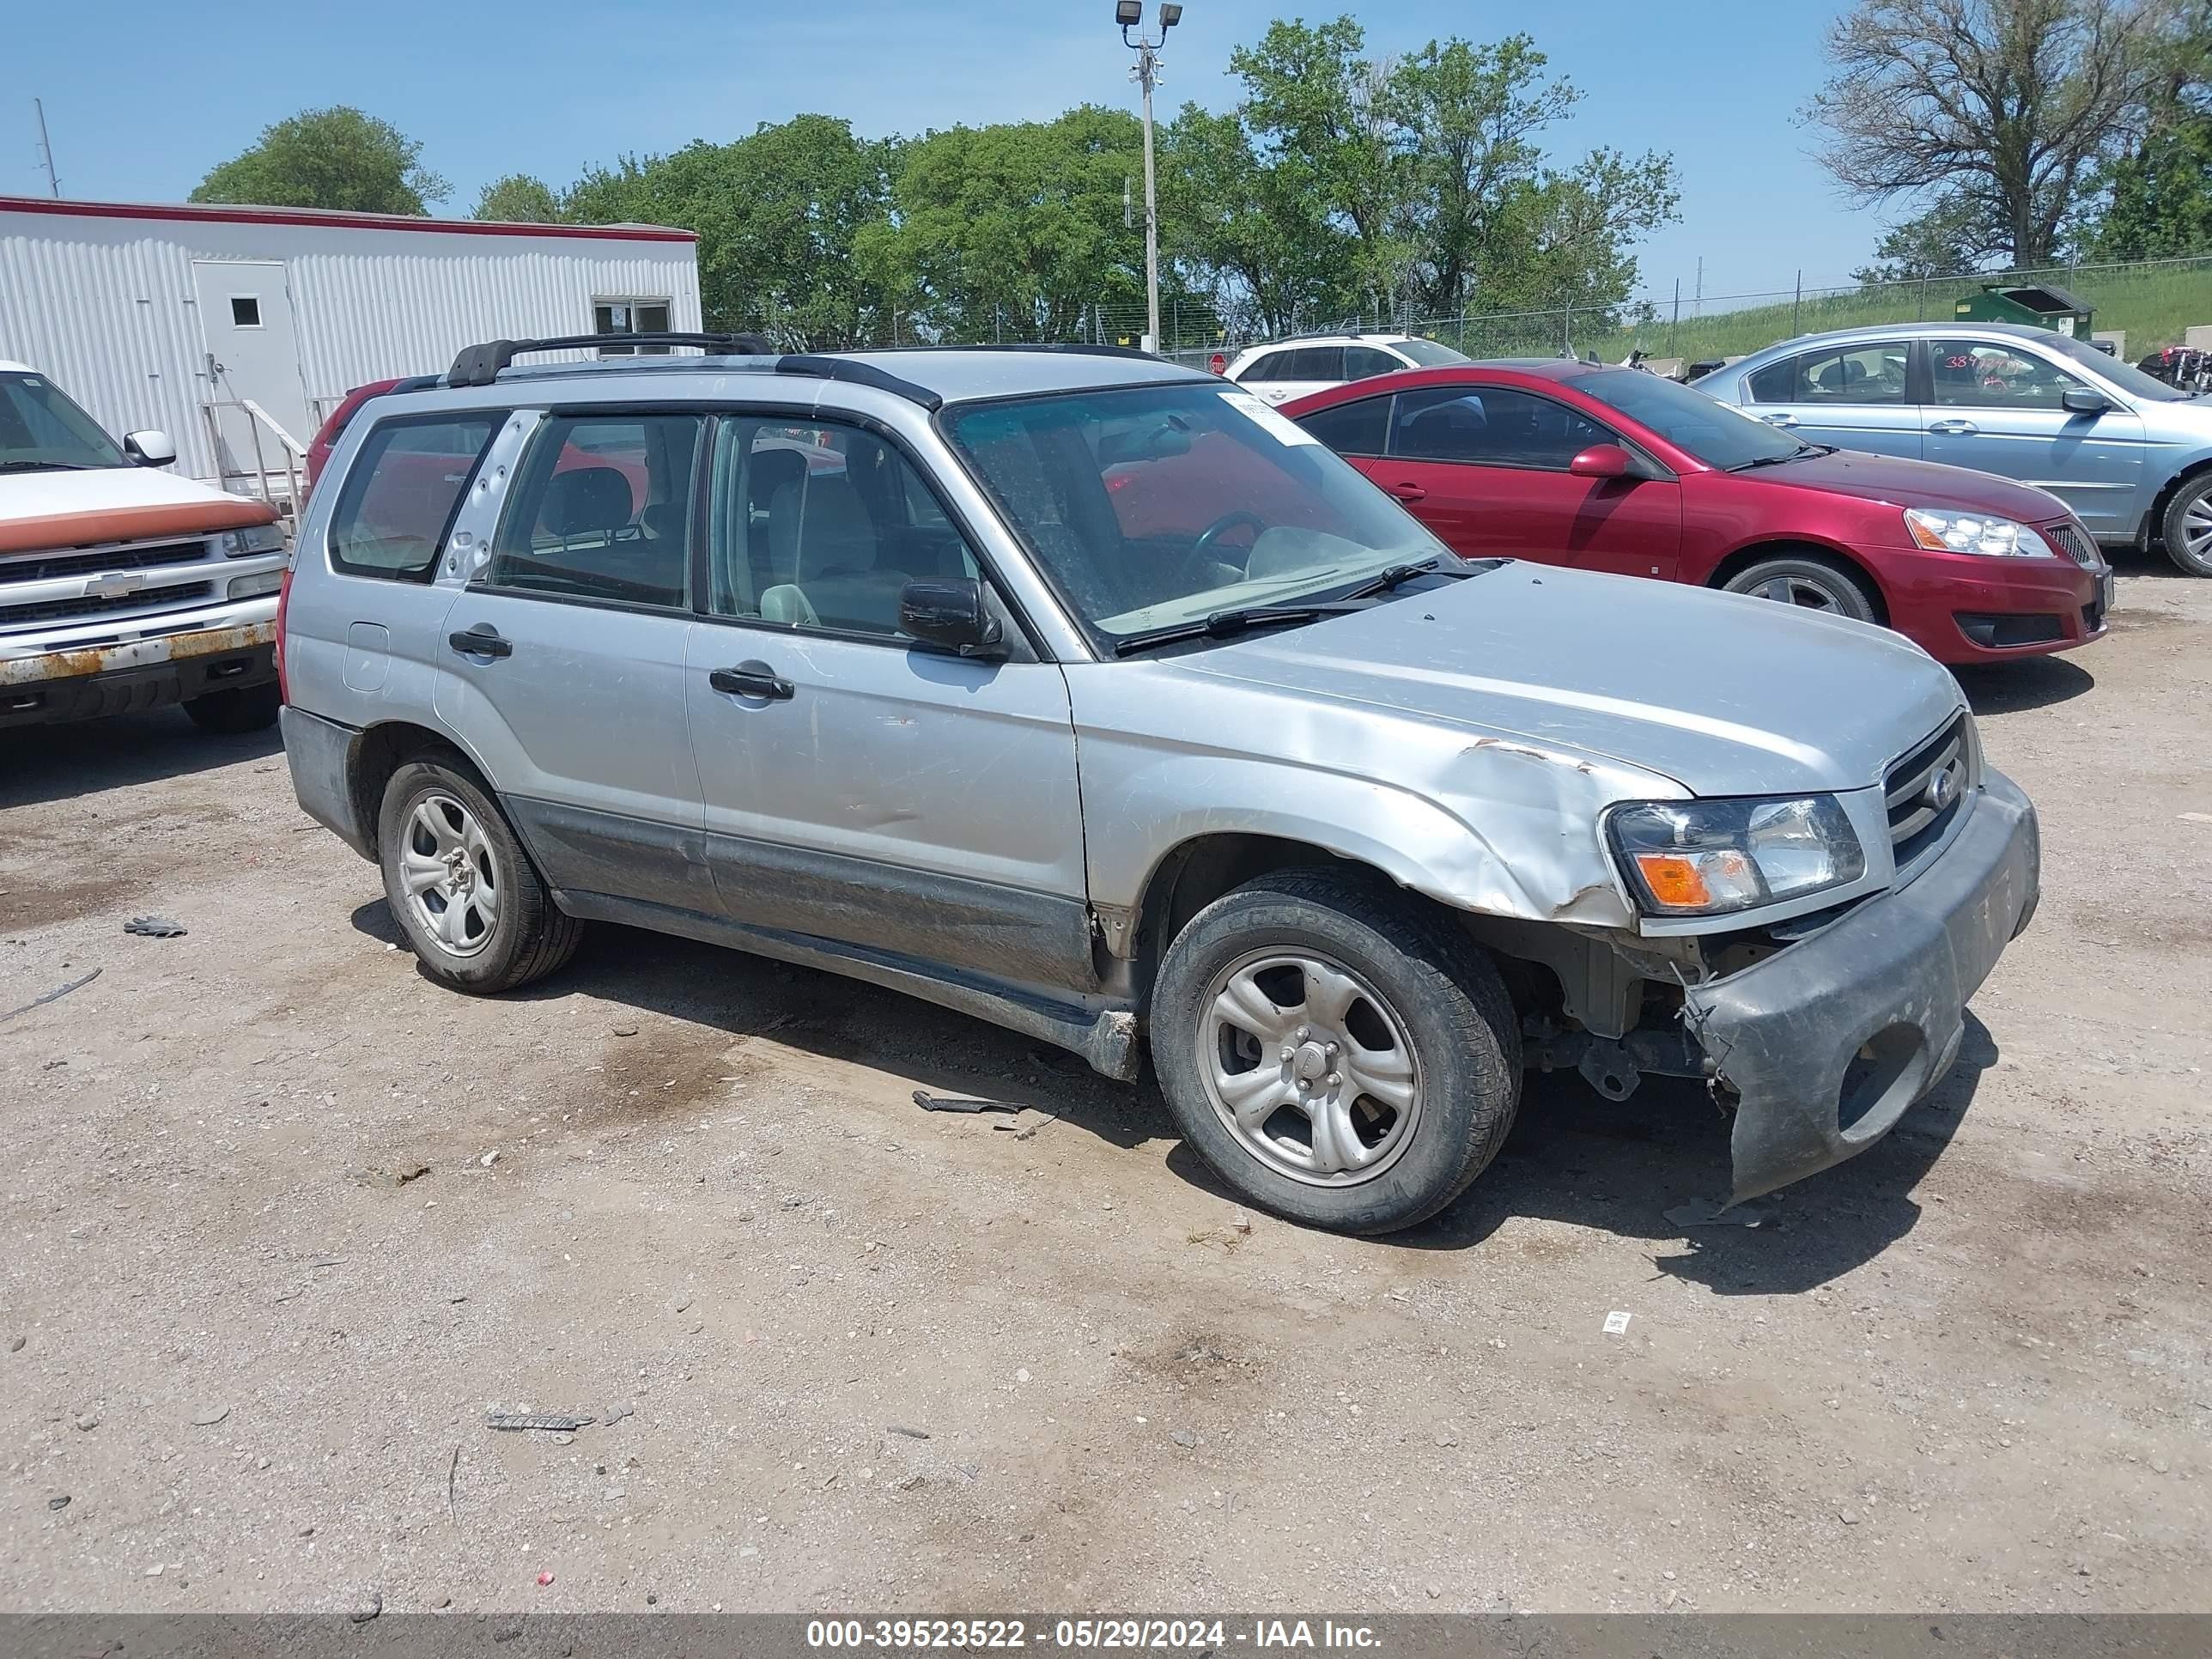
[(264, 1275)]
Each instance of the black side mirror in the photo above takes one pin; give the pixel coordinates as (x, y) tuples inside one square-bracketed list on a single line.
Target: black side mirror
[(953, 614), (2080, 400)]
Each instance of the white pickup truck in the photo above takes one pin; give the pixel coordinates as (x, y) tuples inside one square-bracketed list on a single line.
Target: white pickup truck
[(121, 587)]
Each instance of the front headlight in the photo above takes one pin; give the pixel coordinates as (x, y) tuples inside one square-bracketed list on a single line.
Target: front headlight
[(254, 538), (1941, 531), (1696, 858)]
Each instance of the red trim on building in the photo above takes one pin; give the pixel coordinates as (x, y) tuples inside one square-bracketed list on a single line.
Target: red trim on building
[(334, 220)]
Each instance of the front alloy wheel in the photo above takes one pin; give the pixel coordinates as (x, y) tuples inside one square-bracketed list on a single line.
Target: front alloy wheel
[(1339, 1051), (1309, 1067)]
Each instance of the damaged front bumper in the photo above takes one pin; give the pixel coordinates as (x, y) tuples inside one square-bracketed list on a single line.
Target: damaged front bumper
[(1826, 1044)]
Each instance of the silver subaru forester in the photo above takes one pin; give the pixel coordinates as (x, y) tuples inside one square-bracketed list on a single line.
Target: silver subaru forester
[(1087, 695)]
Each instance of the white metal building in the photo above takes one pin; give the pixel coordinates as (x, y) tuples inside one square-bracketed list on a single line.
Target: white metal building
[(237, 330)]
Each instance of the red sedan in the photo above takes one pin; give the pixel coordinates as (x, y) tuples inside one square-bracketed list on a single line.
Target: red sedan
[(1617, 470)]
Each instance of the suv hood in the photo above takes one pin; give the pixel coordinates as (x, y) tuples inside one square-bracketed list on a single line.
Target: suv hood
[(1901, 483), (43, 510), (1723, 693)]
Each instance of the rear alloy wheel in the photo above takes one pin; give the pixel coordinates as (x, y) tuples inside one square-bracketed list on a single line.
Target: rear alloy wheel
[(1338, 1051), (239, 708), (1807, 581), (2189, 526), (456, 879)]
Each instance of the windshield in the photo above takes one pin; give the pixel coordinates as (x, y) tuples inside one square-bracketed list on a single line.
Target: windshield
[(40, 429), (1715, 434), (1429, 355), (1154, 505), (2126, 376)]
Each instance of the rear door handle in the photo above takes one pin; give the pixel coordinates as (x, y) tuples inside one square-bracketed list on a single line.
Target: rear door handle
[(1953, 428), (1408, 492), (751, 679), (482, 640), (1779, 420)]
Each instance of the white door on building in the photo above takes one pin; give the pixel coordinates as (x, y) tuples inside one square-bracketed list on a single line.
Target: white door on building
[(253, 355)]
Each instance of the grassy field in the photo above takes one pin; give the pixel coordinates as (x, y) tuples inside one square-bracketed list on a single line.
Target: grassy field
[(2153, 303)]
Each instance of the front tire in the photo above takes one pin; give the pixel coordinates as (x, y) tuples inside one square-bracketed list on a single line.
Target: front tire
[(1339, 1054), (460, 887), (239, 708), (1809, 581), (2187, 528)]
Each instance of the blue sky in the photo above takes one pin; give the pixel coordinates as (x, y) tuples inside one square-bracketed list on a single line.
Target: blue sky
[(143, 99)]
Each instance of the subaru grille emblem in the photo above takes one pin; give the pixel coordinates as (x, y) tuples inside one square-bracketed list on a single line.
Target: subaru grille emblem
[(1942, 789)]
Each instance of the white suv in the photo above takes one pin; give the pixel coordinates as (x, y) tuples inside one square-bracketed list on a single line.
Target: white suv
[(1292, 368)]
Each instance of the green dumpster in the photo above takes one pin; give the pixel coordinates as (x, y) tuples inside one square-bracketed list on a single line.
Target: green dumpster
[(2038, 303)]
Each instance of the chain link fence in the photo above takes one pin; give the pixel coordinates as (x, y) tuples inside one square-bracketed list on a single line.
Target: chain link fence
[(2152, 303)]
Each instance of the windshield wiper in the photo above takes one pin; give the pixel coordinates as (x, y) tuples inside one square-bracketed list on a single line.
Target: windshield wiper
[(44, 466), (1222, 624), (1796, 454), (1399, 575)]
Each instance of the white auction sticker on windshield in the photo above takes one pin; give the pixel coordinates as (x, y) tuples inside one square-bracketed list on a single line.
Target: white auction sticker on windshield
[(1286, 430)]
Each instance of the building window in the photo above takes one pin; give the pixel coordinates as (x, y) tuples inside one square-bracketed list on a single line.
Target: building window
[(629, 317), (245, 311)]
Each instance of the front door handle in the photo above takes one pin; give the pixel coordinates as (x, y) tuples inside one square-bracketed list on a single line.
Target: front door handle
[(482, 640), (751, 679), (1408, 492), (1953, 428), (1779, 420)]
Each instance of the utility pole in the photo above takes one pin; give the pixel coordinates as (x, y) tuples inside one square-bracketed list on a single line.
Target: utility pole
[(1146, 74), (47, 148)]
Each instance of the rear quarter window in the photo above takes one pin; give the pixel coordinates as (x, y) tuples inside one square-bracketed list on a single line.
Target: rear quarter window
[(402, 491)]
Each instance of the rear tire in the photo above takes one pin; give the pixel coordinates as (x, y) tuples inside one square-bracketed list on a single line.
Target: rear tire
[(460, 886), (1338, 1051), (241, 709), (2187, 527), (1810, 581)]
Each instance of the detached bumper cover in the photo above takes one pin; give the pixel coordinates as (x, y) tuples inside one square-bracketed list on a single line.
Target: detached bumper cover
[(1826, 1044)]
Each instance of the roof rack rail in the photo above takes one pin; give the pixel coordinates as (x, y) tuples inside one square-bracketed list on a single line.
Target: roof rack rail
[(1068, 348), (844, 369), (479, 365)]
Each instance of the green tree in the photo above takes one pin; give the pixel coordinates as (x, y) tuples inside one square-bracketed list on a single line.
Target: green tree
[(1012, 231), (1321, 114), (518, 198), (1488, 214), (778, 214), (329, 158), (2156, 200), (1251, 236), (1953, 236), (2006, 107), (1347, 183)]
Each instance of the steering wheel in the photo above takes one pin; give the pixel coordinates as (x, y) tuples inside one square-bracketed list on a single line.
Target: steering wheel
[(1221, 526)]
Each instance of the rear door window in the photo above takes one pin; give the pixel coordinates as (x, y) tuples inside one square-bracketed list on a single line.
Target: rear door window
[(1315, 363), (1363, 362), (404, 488), (1873, 373), (602, 511), (1491, 426), (1354, 429), (1273, 367)]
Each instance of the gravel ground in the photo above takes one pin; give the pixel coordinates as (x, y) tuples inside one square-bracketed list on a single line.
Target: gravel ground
[(284, 1221)]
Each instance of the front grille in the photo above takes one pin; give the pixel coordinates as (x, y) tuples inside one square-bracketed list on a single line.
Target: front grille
[(44, 566), (155, 598), (1916, 822), (2072, 542)]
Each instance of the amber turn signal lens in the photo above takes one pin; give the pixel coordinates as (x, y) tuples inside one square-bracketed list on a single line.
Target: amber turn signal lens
[(1680, 883)]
